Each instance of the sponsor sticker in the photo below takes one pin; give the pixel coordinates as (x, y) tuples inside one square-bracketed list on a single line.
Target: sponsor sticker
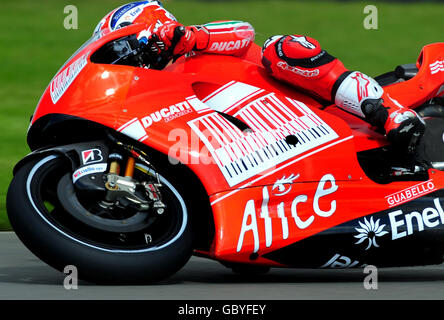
[(272, 119), (90, 169), (133, 9), (283, 186), (229, 45), (305, 73), (64, 79), (326, 188), (369, 231), (342, 262), (167, 114), (410, 193), (405, 224), (92, 156), (136, 128)]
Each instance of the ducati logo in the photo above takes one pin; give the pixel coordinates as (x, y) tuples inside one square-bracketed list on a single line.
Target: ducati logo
[(91, 156)]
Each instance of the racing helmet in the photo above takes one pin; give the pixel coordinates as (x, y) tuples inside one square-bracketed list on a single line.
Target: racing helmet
[(128, 14)]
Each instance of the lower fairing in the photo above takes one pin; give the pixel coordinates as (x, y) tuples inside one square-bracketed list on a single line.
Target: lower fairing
[(405, 235)]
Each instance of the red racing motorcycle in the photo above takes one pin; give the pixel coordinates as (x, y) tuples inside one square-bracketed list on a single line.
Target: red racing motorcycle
[(133, 170)]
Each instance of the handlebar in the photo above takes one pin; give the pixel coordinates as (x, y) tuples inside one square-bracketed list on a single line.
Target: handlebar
[(153, 53)]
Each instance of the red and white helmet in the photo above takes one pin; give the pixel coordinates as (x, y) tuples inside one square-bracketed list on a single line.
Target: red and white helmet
[(147, 12)]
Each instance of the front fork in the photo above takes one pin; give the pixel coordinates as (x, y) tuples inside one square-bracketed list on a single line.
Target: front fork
[(123, 187)]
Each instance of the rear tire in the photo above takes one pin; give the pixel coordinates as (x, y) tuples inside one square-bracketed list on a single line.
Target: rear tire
[(59, 244)]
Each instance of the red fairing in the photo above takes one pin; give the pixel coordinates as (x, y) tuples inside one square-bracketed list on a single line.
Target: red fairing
[(428, 83), (129, 100), (265, 192)]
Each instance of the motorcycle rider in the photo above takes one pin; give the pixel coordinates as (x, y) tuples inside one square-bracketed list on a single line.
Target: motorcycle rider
[(300, 61), (295, 59), (223, 37)]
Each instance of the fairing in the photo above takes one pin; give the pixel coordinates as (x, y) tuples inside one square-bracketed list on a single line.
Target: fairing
[(266, 192)]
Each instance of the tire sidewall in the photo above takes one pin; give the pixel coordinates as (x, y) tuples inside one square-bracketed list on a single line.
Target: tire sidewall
[(59, 250)]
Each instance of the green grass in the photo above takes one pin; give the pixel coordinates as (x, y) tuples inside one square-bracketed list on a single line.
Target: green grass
[(34, 44)]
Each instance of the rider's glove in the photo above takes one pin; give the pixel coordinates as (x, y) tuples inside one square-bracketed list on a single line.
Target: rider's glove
[(167, 34), (190, 38)]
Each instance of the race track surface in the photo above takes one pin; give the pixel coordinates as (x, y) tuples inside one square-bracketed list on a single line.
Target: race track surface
[(23, 276)]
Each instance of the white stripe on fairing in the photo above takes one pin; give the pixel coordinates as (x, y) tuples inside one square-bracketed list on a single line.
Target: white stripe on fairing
[(218, 90), (200, 134), (213, 124), (230, 96), (274, 111), (225, 128), (257, 120), (213, 134), (252, 142), (197, 105), (127, 124), (283, 107), (229, 194), (162, 179), (135, 130), (250, 96), (268, 115), (299, 105)]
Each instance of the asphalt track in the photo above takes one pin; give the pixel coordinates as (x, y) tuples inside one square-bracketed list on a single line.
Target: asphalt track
[(23, 276)]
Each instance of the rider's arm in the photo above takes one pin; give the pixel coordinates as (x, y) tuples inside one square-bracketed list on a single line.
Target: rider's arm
[(224, 37), (221, 37)]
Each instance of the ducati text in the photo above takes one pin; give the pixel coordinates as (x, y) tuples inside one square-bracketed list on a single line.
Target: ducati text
[(167, 114), (230, 45)]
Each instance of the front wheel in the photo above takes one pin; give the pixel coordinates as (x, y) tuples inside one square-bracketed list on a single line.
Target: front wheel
[(105, 247)]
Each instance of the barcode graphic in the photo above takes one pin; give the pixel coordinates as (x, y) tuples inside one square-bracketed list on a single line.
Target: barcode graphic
[(242, 155)]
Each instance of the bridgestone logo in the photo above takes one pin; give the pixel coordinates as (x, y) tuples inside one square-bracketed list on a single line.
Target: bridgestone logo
[(64, 79)]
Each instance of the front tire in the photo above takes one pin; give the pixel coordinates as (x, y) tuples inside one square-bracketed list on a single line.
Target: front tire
[(52, 235)]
